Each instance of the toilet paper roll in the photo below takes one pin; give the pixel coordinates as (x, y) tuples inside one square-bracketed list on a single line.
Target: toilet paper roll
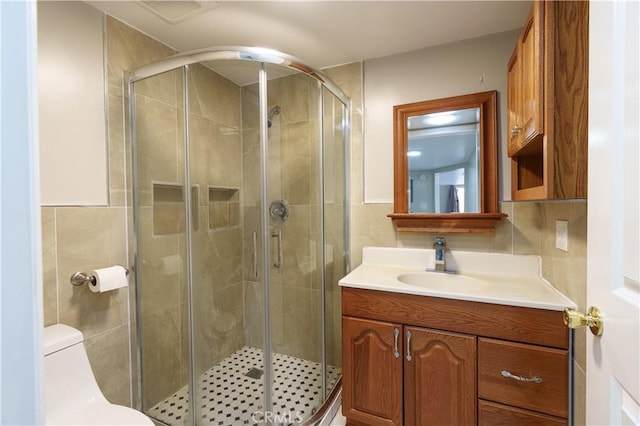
[(110, 278)]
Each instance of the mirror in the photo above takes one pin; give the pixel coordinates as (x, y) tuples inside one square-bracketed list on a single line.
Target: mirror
[(443, 156), (446, 165)]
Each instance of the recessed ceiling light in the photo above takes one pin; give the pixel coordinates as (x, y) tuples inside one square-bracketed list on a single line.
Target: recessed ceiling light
[(441, 118), (414, 154)]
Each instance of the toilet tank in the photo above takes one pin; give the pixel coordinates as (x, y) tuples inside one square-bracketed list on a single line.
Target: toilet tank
[(69, 382)]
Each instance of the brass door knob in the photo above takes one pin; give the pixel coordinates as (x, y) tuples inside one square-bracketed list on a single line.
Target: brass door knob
[(577, 319)]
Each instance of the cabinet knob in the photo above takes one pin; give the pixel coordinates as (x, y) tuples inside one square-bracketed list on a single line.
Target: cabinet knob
[(592, 319), (516, 129)]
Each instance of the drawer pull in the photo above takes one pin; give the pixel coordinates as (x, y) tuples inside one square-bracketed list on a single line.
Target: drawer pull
[(534, 379), (396, 333), (409, 357)]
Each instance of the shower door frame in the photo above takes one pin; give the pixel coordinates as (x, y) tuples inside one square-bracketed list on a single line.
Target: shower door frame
[(264, 57)]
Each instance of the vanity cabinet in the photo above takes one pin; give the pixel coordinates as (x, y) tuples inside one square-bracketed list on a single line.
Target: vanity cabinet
[(548, 103), (419, 360), (392, 371)]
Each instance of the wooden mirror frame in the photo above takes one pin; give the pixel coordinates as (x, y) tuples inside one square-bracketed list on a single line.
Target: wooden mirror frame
[(478, 223)]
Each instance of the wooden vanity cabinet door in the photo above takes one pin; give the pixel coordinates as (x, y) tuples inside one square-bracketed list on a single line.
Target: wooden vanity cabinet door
[(532, 64), (372, 374), (514, 87), (439, 378)]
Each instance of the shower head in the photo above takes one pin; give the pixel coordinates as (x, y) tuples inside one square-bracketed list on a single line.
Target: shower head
[(274, 111)]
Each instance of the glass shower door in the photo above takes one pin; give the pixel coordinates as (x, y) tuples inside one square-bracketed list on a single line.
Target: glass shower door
[(296, 241), (227, 300), (160, 217)]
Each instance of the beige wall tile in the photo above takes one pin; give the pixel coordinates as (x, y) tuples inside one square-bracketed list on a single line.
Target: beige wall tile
[(370, 226), (356, 189), (159, 143), (527, 222), (49, 266), (90, 238), (349, 79), (117, 189), (161, 356), (214, 97), (109, 356), (128, 49)]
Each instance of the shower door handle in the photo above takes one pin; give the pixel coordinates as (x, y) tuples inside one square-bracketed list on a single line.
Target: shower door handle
[(277, 234), (255, 254)]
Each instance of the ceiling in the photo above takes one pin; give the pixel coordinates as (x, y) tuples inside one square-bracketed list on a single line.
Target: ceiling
[(324, 33)]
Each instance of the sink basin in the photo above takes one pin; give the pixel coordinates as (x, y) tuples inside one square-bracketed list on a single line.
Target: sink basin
[(439, 281)]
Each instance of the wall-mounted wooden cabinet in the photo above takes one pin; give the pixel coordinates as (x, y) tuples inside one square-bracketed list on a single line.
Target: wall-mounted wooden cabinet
[(417, 360), (524, 85), (548, 103)]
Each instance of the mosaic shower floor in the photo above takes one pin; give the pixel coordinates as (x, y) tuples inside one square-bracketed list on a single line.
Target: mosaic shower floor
[(231, 391)]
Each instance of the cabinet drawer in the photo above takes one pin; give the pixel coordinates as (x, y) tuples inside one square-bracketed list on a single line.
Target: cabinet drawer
[(525, 361), (492, 414)]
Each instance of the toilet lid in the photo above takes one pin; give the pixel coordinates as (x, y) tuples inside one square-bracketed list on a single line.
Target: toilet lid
[(102, 413)]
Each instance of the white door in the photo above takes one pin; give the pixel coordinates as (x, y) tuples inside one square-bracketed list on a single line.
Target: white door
[(613, 360)]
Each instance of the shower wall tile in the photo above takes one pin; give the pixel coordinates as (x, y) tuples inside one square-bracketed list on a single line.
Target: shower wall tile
[(250, 106), (302, 322), (349, 79), (296, 163), (128, 49), (293, 94), (117, 149), (299, 256), (225, 157), (214, 97), (220, 326), (49, 266), (161, 368), (109, 355), (251, 177), (158, 143), (254, 314)]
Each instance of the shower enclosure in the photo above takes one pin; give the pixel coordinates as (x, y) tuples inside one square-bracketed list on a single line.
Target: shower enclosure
[(239, 160)]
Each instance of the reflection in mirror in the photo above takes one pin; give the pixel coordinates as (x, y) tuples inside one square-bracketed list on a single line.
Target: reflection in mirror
[(443, 162)]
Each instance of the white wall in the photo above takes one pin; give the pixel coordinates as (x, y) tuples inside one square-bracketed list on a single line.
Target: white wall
[(469, 66), (72, 104)]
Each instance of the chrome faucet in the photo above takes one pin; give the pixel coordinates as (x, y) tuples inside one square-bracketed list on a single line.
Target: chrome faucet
[(440, 244)]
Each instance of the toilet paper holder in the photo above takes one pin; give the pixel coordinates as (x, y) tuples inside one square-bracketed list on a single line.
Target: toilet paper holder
[(81, 278)]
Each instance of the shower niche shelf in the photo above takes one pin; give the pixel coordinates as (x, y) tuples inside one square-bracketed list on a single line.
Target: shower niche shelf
[(168, 208), (224, 207)]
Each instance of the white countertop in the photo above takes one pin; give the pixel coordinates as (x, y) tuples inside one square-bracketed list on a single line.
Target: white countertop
[(485, 277)]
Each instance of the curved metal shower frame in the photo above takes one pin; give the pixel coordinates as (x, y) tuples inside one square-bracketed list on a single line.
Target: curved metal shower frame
[(262, 56), (240, 53)]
